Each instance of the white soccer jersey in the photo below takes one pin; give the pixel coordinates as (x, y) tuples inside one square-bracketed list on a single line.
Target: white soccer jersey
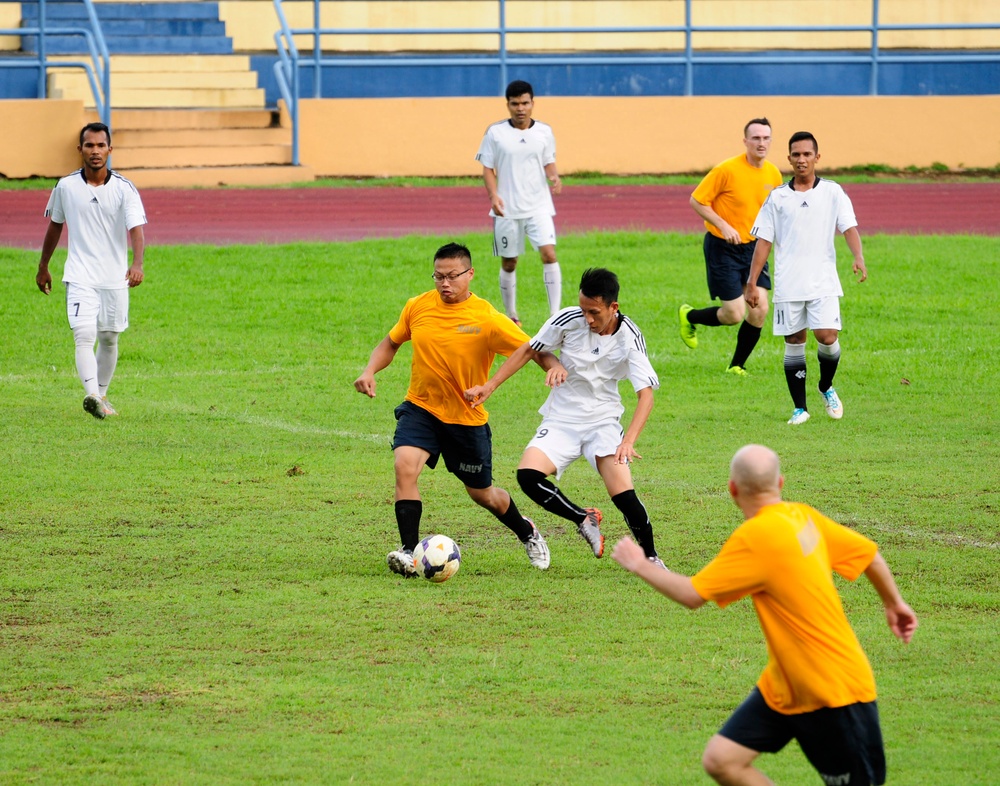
[(519, 158), (595, 364), (99, 219), (802, 226)]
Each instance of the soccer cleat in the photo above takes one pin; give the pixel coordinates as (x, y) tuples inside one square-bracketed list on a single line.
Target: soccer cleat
[(834, 407), (657, 561), (537, 548), (799, 416), (401, 562), (108, 409), (93, 406), (737, 371), (590, 530), (516, 321), (687, 329)]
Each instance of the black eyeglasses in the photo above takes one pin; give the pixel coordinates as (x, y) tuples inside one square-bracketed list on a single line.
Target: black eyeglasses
[(439, 277)]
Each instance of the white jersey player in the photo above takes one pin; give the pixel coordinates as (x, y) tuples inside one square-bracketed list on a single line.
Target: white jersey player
[(103, 211), (800, 220), (519, 160), (598, 347)]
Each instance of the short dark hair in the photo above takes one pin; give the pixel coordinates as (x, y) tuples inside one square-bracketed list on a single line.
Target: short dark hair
[(95, 127), (597, 282), (518, 88), (761, 121), (453, 251), (800, 136)]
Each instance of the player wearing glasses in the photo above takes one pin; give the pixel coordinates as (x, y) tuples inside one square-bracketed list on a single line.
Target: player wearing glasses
[(456, 336)]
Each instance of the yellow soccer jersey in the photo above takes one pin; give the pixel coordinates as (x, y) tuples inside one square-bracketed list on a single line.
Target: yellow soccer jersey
[(736, 190), (454, 345), (784, 558)]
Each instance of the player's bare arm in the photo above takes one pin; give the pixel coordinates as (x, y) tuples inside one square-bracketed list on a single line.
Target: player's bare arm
[(729, 234), (381, 357), (517, 360), (675, 586), (490, 179), (853, 238), (553, 176), (626, 450), (760, 253), (135, 276), (43, 278), (900, 617)]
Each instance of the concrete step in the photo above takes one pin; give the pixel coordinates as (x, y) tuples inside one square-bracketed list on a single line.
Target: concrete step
[(151, 98), (211, 177), (137, 138), (140, 44), (174, 63), (216, 156), (107, 11), (74, 83), (180, 119)]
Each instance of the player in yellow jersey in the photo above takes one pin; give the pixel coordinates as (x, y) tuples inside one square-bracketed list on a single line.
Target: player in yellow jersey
[(728, 200), (817, 687), (456, 335)]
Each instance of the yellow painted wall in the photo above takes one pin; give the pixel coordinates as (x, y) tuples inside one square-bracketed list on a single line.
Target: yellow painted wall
[(10, 17), (440, 136), (252, 23), (47, 133)]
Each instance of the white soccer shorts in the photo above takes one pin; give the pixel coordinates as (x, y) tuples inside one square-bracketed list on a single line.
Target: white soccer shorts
[(564, 443), (509, 234), (793, 316), (108, 308)]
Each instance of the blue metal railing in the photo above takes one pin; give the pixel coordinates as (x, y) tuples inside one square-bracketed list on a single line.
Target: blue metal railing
[(98, 68), (290, 61)]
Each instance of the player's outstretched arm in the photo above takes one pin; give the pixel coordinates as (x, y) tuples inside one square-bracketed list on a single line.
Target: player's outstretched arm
[(626, 450), (900, 617), (43, 278), (517, 360), (675, 586), (381, 357), (853, 238), (134, 275)]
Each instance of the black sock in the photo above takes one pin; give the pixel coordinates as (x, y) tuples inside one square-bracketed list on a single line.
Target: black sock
[(829, 358), (795, 376), (746, 340), (516, 523), (408, 512), (704, 316), (544, 493), (637, 519)]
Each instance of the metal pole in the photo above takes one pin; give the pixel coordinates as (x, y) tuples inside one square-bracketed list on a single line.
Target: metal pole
[(317, 48), (873, 85), (43, 86), (293, 112), (688, 51), (503, 46)]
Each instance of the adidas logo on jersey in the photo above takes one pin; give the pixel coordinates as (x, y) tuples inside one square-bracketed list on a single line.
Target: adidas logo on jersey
[(93, 201), (524, 141), (804, 204), (595, 351)]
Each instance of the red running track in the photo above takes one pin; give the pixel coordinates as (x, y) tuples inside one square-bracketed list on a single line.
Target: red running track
[(230, 216)]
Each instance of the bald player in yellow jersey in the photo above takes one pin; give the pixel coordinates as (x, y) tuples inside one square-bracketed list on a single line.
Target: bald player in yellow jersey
[(455, 336), (817, 687), (728, 200)]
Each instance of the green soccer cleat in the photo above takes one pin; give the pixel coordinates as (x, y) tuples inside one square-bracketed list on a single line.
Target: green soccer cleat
[(737, 371), (687, 329)]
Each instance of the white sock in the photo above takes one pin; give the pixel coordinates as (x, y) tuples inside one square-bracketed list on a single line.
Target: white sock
[(508, 292), (552, 276), (107, 359), (86, 361)]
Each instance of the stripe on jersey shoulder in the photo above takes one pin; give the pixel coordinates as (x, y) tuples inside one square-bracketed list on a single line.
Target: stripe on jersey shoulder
[(568, 316), (125, 180), (640, 341)]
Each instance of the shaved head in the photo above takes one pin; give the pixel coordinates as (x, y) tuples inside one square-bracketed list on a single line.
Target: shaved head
[(755, 470)]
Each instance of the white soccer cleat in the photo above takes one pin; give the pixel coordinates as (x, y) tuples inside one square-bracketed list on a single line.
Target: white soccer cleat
[(93, 406), (108, 409), (799, 416), (590, 531), (833, 404), (658, 562), (401, 562), (537, 548)]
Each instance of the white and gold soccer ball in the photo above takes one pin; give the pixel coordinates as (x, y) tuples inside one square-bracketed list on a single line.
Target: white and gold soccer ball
[(437, 558)]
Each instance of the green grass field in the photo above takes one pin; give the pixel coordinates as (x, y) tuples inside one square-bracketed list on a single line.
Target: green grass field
[(196, 592)]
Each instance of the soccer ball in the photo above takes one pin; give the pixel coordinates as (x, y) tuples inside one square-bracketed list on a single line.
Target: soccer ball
[(437, 558)]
